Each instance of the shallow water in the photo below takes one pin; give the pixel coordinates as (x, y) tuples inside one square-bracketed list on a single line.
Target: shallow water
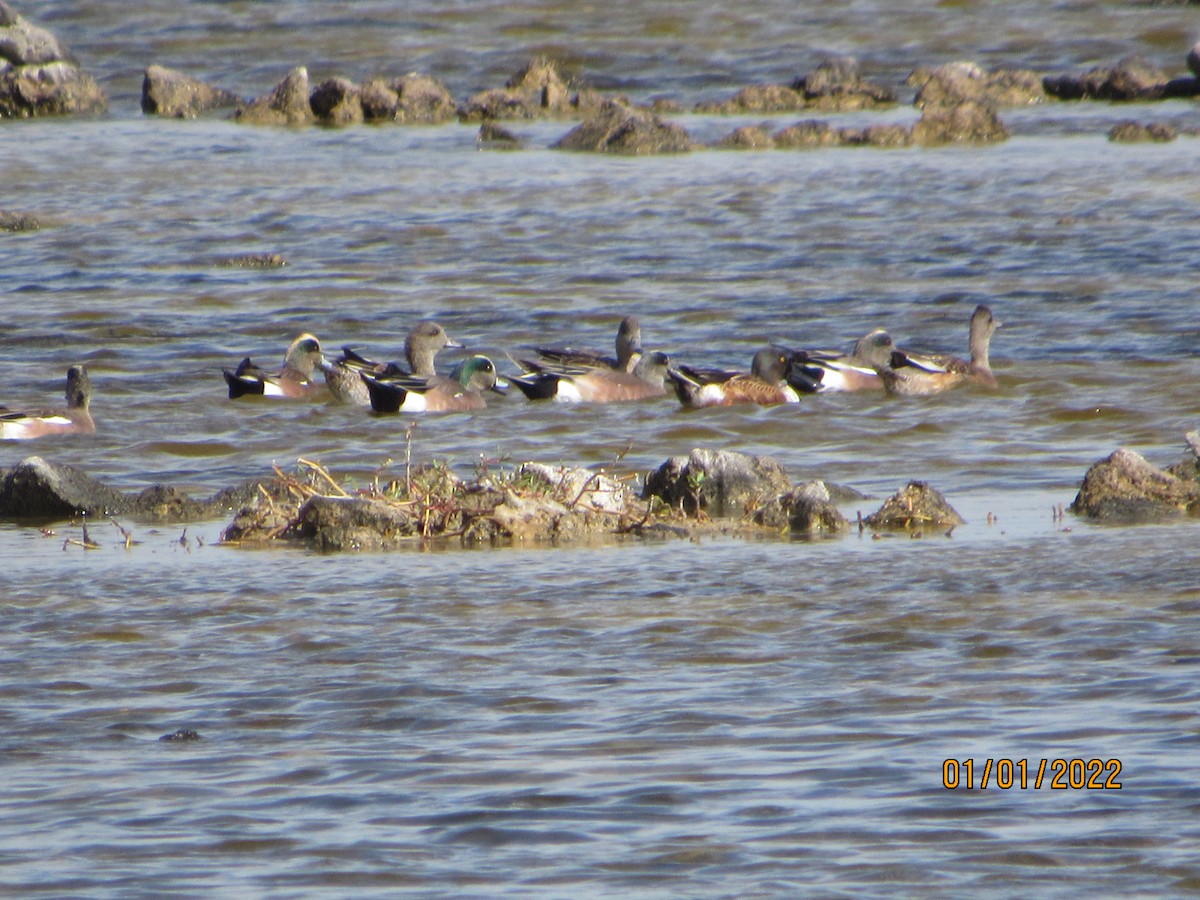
[(716, 718)]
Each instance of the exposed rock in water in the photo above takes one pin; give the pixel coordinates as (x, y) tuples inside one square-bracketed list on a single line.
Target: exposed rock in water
[(836, 85), (287, 104), (1135, 132), (916, 506), (618, 129), (748, 137), (38, 76), (808, 135), (337, 101), (809, 509), (38, 489), (536, 91), (967, 123), (253, 261), (958, 82), (15, 221), (410, 100), (167, 92), (1125, 486), (716, 482), (496, 137), (1130, 79)]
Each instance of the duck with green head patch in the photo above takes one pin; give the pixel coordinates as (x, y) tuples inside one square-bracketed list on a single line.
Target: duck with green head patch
[(462, 390)]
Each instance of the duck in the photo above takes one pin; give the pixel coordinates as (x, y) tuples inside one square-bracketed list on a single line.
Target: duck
[(421, 346), (906, 373), (461, 390), (765, 384), (628, 349), (76, 418), (818, 371), (564, 383), (294, 380)]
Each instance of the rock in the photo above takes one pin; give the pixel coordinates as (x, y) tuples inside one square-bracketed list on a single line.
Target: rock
[(492, 135), (535, 91), (748, 137), (970, 122), (1125, 486), (1131, 79), (182, 734), (353, 523), (759, 98), (957, 82), (1134, 132), (809, 509), (38, 489), (580, 487), (837, 85), (916, 506), (167, 92), (53, 89), (412, 99), (287, 104), (807, 135), (15, 221), (717, 482), (618, 129), (38, 76), (24, 44), (337, 102), (878, 136), (252, 261)]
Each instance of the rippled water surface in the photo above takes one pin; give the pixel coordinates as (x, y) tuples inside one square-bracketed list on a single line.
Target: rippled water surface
[(719, 718)]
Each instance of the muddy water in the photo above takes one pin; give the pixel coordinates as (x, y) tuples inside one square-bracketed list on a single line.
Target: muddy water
[(662, 719)]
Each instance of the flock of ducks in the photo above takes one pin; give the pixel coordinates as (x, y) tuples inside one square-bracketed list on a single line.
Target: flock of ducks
[(777, 375)]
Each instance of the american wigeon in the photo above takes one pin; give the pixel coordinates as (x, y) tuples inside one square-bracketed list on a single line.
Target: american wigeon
[(543, 380), (20, 425), (814, 371), (294, 380), (421, 346), (460, 391), (628, 346), (913, 374), (765, 383)]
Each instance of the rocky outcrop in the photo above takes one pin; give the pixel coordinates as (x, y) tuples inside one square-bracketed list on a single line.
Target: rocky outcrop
[(1137, 132), (619, 129), (807, 510), (39, 489), (959, 82), (286, 104), (915, 507), (410, 100), (1130, 79), (38, 76), (1124, 486), (16, 221), (970, 122), (172, 94), (337, 102), (536, 91), (836, 85), (716, 482)]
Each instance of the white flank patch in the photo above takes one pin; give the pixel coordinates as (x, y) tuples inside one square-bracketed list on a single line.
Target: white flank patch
[(271, 389), (790, 393), (566, 391), (413, 402)]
